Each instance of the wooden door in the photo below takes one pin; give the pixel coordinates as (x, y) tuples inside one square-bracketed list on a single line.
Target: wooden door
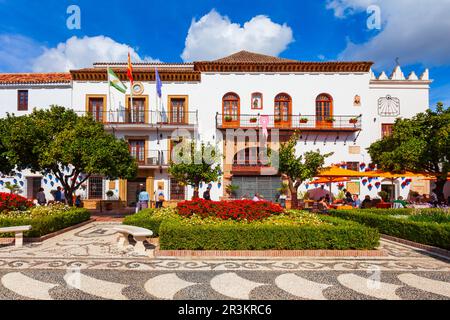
[(282, 111), (324, 111)]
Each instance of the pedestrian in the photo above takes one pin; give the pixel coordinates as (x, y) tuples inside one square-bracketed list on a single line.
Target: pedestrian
[(144, 198), (207, 193), (348, 197), (78, 202), (58, 195), (367, 203), (256, 197), (63, 196), (356, 201), (159, 197), (434, 198), (282, 199), (40, 196), (322, 205)]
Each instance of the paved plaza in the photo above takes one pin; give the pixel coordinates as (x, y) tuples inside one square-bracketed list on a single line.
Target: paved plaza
[(85, 263)]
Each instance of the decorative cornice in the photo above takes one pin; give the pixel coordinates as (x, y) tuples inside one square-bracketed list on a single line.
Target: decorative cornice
[(172, 75), (325, 67)]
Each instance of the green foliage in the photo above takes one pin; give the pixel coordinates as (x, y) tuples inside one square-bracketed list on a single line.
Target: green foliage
[(44, 223), (150, 219), (431, 215), (57, 141), (179, 234), (231, 189), (194, 164), (429, 233), (301, 168), (12, 187), (420, 144), (383, 195)]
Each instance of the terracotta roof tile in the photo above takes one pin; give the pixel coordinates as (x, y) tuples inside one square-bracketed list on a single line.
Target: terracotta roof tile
[(34, 78), (251, 57)]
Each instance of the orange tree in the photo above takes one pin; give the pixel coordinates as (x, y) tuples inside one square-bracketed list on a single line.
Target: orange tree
[(60, 142), (420, 144), (299, 168)]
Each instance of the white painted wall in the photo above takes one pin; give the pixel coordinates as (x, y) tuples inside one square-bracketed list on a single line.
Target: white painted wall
[(206, 97)]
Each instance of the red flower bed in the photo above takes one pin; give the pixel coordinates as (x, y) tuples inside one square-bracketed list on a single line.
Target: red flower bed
[(235, 210), (9, 201)]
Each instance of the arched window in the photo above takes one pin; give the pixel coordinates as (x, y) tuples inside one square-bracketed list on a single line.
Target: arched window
[(231, 107), (282, 109), (324, 110)]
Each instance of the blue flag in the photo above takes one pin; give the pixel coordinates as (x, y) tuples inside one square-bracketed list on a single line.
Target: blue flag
[(158, 83)]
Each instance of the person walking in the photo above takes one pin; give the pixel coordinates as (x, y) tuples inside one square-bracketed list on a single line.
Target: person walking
[(282, 199), (58, 195), (144, 198), (207, 193), (159, 197), (40, 197)]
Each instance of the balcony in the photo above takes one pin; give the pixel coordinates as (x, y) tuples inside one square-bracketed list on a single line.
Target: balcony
[(136, 119), (291, 122), (154, 159)]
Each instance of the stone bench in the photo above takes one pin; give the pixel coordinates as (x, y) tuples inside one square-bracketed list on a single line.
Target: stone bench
[(139, 235), (18, 233)]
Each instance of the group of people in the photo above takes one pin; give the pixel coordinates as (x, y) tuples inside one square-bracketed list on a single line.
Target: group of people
[(58, 197), (143, 198)]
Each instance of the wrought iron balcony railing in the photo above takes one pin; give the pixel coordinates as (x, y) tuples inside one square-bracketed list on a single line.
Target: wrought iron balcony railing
[(300, 122), (153, 158), (141, 117)]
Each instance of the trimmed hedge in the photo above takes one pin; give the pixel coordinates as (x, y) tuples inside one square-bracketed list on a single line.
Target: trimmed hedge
[(43, 225), (178, 234), (146, 219), (429, 233)]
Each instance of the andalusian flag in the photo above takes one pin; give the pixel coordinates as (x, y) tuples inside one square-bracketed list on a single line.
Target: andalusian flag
[(115, 82)]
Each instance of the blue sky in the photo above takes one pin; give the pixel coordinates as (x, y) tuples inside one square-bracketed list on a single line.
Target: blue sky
[(34, 35)]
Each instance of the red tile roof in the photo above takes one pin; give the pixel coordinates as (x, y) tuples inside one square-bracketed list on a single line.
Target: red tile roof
[(251, 57), (34, 78), (245, 61)]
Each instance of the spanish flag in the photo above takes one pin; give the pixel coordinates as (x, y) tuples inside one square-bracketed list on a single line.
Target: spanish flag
[(130, 70)]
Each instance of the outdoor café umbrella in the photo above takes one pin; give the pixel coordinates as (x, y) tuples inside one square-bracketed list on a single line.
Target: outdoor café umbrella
[(329, 181), (335, 172)]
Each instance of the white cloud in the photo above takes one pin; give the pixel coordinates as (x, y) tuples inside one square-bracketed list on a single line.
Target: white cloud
[(416, 31), (83, 52), (215, 36)]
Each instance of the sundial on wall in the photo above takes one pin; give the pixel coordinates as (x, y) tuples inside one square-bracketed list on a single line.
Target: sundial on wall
[(388, 106)]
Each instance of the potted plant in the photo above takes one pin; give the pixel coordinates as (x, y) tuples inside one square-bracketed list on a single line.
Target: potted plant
[(303, 120), (109, 195), (231, 190), (228, 118), (330, 119), (253, 119), (277, 119), (383, 195), (353, 120)]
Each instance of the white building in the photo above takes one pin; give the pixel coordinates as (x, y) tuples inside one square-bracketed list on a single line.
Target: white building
[(339, 107)]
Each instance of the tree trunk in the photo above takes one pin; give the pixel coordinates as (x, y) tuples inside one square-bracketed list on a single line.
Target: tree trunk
[(69, 198), (294, 198), (440, 184), (196, 194)]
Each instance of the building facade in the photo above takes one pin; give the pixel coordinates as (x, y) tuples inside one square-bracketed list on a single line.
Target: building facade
[(338, 107)]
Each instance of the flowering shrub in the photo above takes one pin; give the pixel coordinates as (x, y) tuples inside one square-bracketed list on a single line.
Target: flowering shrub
[(41, 211), (10, 201), (235, 210)]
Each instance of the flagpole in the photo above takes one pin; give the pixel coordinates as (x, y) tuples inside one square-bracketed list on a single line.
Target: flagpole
[(109, 91), (157, 112)]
